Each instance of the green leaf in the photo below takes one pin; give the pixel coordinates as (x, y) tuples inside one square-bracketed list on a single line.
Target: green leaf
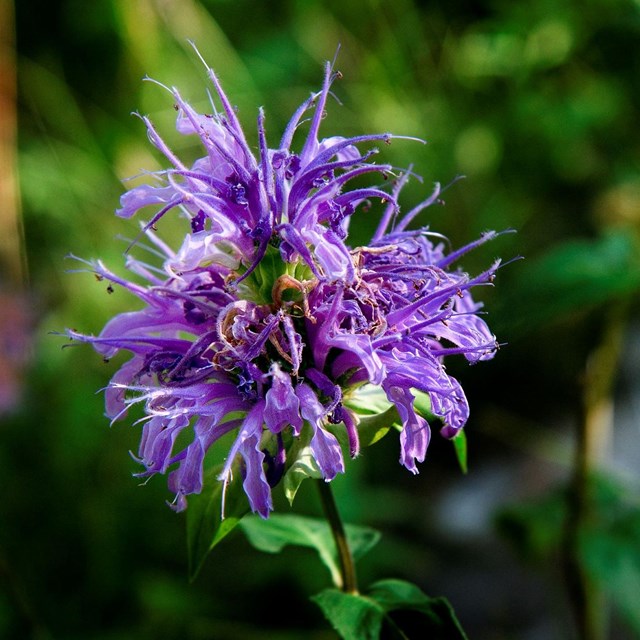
[(304, 467), (377, 415), (354, 617), (205, 526), (361, 617), (368, 400), (371, 429), (280, 530), (440, 622), (460, 446), (302, 463)]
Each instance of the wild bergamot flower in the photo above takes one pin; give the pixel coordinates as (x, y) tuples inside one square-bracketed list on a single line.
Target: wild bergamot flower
[(266, 323)]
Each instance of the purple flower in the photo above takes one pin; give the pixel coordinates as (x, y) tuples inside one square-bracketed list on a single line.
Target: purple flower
[(266, 323)]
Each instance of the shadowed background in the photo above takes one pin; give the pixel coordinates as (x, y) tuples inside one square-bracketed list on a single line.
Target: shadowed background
[(537, 104)]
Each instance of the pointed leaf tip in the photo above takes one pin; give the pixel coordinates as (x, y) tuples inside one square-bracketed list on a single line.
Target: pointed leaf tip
[(460, 446)]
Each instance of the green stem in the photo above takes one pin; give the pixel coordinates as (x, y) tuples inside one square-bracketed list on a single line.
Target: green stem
[(345, 557), (594, 436)]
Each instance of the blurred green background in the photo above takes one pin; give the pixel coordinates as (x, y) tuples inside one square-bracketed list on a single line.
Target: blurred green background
[(537, 104)]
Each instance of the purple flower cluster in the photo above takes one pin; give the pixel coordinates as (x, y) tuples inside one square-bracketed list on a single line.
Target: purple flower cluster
[(265, 322)]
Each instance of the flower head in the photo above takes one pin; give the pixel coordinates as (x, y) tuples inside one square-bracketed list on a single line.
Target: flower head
[(266, 323)]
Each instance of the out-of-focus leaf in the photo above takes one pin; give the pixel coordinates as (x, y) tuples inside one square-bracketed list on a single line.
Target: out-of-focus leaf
[(205, 526), (534, 528), (280, 530), (361, 617), (572, 277), (608, 542), (612, 557)]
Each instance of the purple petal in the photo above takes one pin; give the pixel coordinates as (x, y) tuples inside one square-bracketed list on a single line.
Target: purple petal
[(282, 407), (143, 196), (255, 482), (324, 445), (187, 478), (414, 438)]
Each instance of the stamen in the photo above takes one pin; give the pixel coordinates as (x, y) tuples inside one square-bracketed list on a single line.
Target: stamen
[(305, 287)]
